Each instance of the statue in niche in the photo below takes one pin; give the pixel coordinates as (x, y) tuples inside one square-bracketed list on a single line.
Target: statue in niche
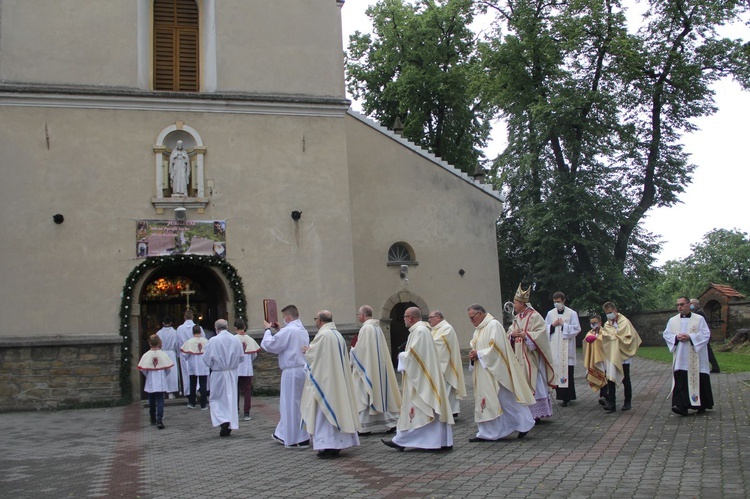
[(179, 170)]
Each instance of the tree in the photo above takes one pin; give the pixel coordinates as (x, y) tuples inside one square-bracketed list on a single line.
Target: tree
[(723, 257), (421, 66), (595, 118)]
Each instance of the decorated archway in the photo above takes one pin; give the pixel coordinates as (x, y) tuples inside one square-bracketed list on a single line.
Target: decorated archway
[(147, 272)]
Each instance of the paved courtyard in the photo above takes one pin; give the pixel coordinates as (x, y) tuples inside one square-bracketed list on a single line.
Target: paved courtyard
[(580, 452)]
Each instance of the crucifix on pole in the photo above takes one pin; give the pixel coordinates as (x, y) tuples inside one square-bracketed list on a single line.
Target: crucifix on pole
[(187, 294)]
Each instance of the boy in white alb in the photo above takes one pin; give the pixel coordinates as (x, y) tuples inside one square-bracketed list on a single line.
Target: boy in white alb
[(155, 365), (198, 371)]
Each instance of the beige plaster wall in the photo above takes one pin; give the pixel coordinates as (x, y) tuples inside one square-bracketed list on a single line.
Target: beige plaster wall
[(283, 46), (279, 47), (99, 173), (69, 41), (398, 195)]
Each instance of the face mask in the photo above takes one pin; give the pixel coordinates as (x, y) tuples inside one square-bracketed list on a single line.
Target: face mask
[(559, 306), (692, 307), (595, 326), (611, 316)]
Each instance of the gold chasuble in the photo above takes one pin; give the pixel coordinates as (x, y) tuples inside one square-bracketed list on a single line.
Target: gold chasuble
[(531, 322), (620, 342), (595, 361), (328, 384), (155, 360), (373, 371), (423, 386), (449, 352), (498, 366)]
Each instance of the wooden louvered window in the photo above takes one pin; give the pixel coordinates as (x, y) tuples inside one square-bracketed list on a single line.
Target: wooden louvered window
[(176, 45)]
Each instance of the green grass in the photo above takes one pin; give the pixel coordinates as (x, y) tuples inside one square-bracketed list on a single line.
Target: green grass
[(729, 362)]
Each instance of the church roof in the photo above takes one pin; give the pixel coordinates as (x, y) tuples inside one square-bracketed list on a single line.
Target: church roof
[(487, 188)]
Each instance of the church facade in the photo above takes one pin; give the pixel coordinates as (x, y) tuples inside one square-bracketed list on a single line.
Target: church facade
[(160, 153)]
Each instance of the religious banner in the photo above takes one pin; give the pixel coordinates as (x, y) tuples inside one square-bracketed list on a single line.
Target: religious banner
[(180, 237)]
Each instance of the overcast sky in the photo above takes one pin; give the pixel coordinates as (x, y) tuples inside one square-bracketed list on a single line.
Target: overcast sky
[(718, 195)]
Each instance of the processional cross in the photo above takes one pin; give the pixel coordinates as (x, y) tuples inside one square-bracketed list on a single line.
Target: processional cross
[(187, 294)]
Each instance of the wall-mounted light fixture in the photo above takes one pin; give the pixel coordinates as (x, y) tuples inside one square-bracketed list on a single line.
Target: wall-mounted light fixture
[(404, 271), (58, 219), (296, 215)]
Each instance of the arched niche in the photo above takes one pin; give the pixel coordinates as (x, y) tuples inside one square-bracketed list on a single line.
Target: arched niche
[(193, 144)]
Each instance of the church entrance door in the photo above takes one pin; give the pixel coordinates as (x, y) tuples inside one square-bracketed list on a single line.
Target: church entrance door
[(170, 292), (399, 331)]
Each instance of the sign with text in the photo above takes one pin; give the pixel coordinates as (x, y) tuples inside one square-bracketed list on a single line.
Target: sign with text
[(180, 237)]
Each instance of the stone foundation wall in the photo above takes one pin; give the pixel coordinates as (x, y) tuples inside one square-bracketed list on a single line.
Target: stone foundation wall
[(55, 373)]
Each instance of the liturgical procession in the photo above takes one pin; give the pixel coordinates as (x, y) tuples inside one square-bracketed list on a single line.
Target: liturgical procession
[(266, 248), (161, 156)]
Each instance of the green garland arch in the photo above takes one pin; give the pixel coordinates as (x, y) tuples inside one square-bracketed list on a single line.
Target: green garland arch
[(235, 282)]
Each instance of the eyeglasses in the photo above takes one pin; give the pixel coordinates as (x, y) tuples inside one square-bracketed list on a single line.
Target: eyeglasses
[(316, 318), (471, 317), (408, 317), (433, 317), (682, 304)]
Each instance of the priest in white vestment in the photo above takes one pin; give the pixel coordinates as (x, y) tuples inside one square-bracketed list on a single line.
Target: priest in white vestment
[(287, 343), (449, 352), (426, 419), (687, 337), (528, 334), (375, 383), (502, 395), (223, 355), (171, 346), (328, 406), (562, 328)]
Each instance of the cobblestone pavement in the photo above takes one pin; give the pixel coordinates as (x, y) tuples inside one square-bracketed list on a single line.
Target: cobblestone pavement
[(647, 452)]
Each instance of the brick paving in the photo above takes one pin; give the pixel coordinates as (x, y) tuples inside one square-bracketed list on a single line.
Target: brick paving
[(580, 452)]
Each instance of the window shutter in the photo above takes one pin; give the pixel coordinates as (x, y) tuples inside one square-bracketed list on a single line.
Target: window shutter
[(176, 49)]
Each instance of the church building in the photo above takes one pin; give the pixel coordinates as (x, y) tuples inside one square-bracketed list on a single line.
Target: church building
[(160, 154)]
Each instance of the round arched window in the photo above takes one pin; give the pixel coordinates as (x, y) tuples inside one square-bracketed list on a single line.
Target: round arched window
[(401, 254)]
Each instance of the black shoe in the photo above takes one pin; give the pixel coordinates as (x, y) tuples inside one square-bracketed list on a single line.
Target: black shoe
[(701, 410), (301, 445), (680, 410), (446, 448), (364, 433), (602, 401), (153, 421), (565, 403), (522, 434), (455, 415), (392, 444), (160, 425), (480, 439), (626, 406), (225, 430), (391, 430), (609, 407), (328, 453)]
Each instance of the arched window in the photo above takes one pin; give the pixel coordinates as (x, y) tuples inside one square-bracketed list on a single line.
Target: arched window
[(176, 45), (401, 254)]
